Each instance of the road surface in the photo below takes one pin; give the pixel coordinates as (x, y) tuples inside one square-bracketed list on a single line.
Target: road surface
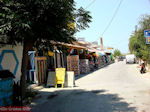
[(118, 87)]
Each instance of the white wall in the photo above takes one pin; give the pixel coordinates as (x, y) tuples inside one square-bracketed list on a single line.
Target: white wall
[(11, 59)]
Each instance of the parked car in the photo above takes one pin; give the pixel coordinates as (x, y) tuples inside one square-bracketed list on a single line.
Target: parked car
[(120, 58), (131, 58)]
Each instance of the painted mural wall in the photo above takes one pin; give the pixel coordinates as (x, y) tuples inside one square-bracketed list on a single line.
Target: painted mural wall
[(11, 59)]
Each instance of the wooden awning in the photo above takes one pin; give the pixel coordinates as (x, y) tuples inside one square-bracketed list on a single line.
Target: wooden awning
[(68, 45)]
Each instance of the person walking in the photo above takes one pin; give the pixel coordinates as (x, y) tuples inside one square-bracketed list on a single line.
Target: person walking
[(143, 69)]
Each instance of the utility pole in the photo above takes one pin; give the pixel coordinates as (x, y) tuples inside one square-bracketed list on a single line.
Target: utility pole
[(101, 44), (136, 27)]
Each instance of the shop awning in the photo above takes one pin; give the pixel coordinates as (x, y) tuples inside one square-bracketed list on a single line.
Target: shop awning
[(101, 53), (68, 45)]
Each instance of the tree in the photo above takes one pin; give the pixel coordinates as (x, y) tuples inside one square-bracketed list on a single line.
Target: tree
[(117, 53), (34, 19), (29, 21), (137, 44)]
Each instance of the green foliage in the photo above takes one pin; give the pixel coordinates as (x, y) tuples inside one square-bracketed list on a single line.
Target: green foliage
[(82, 18), (39, 20), (117, 53), (137, 44)]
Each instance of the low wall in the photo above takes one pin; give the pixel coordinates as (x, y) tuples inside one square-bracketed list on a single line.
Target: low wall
[(84, 66)]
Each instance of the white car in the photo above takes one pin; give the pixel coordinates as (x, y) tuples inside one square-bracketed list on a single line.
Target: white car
[(131, 58)]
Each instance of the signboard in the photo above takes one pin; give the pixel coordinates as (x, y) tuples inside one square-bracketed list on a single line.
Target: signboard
[(73, 64), (147, 40), (110, 48), (147, 36), (147, 33)]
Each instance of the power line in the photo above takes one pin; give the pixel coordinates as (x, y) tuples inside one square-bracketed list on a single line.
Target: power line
[(110, 22), (149, 1), (115, 13), (90, 4)]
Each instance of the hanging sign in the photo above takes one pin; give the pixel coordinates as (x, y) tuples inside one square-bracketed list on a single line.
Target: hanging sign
[(147, 36), (147, 40), (147, 33)]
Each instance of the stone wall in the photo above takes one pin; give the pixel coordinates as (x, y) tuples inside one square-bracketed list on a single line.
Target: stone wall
[(84, 66), (91, 65)]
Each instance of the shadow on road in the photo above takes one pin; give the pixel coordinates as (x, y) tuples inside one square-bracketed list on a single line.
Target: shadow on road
[(82, 101)]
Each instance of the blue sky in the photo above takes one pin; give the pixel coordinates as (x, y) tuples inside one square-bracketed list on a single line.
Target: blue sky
[(123, 25)]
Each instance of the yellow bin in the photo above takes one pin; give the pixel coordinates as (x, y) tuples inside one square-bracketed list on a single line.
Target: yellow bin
[(60, 76)]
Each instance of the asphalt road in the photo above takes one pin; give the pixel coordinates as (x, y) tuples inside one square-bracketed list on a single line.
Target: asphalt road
[(116, 88)]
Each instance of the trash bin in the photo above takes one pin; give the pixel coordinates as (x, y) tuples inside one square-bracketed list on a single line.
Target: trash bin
[(6, 88), (69, 79), (60, 76)]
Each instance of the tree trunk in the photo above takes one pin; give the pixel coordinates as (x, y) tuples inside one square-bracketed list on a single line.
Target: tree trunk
[(27, 45)]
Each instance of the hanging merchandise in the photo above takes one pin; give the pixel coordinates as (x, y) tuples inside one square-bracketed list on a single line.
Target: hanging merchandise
[(88, 56), (94, 54), (50, 53), (70, 51), (86, 51), (81, 51)]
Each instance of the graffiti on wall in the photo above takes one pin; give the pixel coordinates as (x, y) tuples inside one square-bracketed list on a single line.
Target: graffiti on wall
[(10, 59), (13, 56)]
